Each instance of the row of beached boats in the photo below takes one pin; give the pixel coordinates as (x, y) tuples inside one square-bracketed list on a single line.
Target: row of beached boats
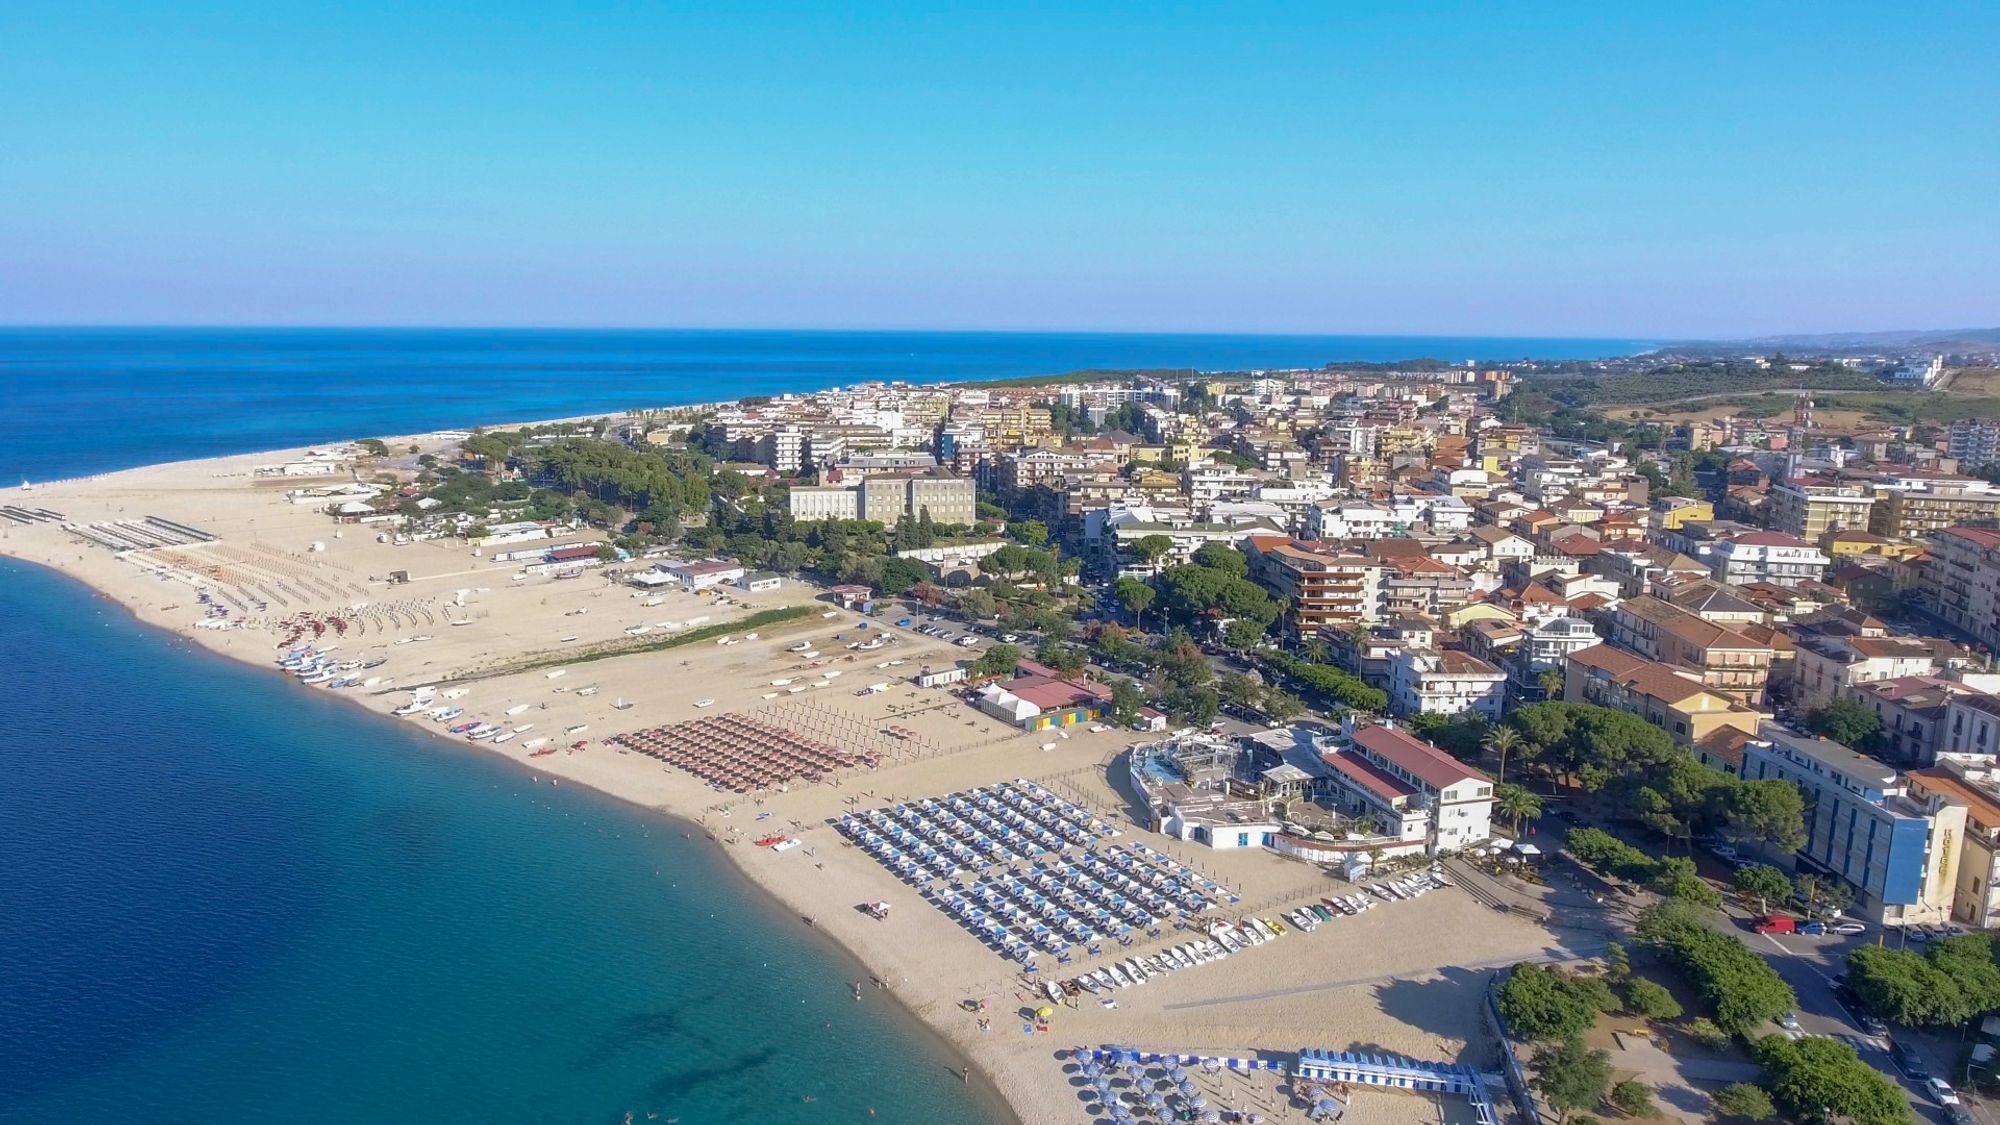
[(319, 665), (424, 704), (1227, 938)]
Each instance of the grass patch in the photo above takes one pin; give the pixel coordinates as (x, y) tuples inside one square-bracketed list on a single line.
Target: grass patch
[(635, 645)]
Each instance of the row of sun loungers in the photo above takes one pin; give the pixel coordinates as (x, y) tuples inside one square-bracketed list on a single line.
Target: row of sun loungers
[(1226, 938), (1046, 876), (740, 754)]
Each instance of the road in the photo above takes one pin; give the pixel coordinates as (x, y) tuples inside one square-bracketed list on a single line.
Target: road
[(1809, 965)]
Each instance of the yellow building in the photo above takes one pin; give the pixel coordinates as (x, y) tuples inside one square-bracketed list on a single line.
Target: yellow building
[(1673, 511), (1846, 544)]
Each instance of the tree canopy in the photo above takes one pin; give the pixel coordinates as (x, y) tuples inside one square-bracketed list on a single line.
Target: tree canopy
[(1742, 988), (1952, 981), (1540, 1002), (1819, 1079)]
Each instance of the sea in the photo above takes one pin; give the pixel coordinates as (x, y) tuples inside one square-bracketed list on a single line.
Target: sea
[(225, 899)]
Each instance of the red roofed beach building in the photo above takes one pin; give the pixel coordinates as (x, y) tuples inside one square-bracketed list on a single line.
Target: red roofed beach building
[(1428, 801)]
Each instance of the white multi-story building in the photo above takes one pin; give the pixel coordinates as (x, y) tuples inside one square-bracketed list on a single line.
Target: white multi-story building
[(1352, 519), (1766, 556), (812, 502), (1424, 681), (1440, 804), (1973, 443), (1206, 484)]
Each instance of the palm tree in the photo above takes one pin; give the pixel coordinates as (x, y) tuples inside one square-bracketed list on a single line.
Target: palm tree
[(1551, 683), (1502, 740), (1517, 805)]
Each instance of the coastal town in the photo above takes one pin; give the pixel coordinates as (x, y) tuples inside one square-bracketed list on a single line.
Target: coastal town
[(1382, 742)]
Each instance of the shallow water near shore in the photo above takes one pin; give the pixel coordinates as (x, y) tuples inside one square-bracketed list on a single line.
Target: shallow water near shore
[(229, 899)]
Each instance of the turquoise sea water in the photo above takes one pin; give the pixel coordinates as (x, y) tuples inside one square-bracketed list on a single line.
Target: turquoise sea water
[(226, 899)]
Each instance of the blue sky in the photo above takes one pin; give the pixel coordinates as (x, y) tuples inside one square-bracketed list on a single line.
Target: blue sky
[(1532, 169)]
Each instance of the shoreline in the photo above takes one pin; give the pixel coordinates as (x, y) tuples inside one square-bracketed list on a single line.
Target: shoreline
[(980, 1081), (1388, 988)]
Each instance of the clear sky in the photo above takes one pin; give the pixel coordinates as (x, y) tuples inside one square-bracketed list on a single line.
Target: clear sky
[(1478, 168)]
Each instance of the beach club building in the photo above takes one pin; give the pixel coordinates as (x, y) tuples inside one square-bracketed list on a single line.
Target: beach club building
[(1429, 801), (1041, 698), (696, 576)]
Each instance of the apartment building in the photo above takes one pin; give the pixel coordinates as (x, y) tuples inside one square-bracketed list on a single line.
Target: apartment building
[(1323, 590), (1915, 713), (1897, 853), (1673, 699), (1448, 682), (1810, 509), (1973, 783), (1766, 556), (1826, 666), (1973, 443), (1908, 508), (889, 498), (1729, 660), (811, 502), (1962, 581)]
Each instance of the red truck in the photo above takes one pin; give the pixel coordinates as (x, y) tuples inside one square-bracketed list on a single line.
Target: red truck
[(1774, 924)]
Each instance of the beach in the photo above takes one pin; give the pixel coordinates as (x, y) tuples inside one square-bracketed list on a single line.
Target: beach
[(1404, 979)]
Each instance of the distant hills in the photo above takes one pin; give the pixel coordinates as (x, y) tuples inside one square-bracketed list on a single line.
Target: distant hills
[(1940, 340)]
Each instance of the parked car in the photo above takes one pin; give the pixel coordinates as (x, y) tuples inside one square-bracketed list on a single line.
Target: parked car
[(1847, 929), (1774, 924), (1723, 851), (1911, 1062), (1941, 1091), (1872, 1025), (1815, 928)]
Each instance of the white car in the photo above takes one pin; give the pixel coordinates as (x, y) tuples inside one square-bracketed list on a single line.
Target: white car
[(1941, 1091)]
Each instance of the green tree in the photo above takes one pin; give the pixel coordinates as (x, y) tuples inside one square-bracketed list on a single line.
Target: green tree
[(1676, 877), (1771, 812), (1281, 705), (1571, 1076), (1136, 596), (1651, 1000), (977, 605), (373, 447), (1517, 804), (997, 661), (1222, 557), (1502, 741), (1632, 1098), (1742, 988), (1745, 1102), (1952, 981), (1708, 1033), (1239, 690), (1150, 549), (1821, 1079), (1847, 722), (1539, 1002), (1764, 883), (1034, 533), (1126, 700)]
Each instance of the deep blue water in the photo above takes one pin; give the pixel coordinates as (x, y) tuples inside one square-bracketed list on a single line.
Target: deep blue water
[(85, 401), (224, 899)]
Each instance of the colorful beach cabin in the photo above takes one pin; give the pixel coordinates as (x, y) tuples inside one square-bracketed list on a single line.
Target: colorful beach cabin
[(1041, 698)]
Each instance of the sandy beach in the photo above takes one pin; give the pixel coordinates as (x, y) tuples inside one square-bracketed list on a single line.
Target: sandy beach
[(1404, 979)]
